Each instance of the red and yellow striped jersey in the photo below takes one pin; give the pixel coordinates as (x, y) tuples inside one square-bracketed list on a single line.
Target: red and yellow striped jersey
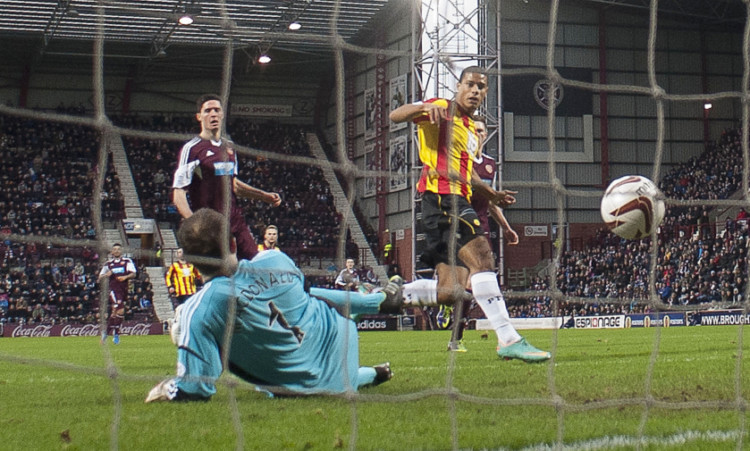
[(182, 277), (448, 160)]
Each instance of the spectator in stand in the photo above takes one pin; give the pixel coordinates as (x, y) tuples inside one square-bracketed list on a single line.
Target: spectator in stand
[(394, 270), (144, 304), (4, 305), (38, 314), (348, 278)]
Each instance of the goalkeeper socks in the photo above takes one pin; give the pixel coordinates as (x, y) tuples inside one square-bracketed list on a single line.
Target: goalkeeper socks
[(421, 292), (365, 376), (490, 299)]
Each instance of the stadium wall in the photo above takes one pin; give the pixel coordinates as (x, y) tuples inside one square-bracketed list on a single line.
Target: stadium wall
[(631, 119), (161, 90), (537, 242), (361, 73)]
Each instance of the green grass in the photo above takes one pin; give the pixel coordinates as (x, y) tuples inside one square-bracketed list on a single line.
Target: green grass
[(55, 393)]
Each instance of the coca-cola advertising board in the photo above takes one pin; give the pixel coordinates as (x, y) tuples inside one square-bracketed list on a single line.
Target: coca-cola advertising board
[(78, 330)]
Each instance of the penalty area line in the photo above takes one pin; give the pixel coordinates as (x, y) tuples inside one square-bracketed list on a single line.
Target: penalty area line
[(619, 441)]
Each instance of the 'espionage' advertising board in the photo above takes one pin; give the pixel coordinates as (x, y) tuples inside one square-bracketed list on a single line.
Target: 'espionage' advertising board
[(600, 322)]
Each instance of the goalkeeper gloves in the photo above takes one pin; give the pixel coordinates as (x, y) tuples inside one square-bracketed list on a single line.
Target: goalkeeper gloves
[(165, 390), (174, 328)]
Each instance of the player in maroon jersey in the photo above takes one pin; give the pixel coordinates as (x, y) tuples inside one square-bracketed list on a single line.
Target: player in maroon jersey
[(206, 176), (119, 270), (485, 168)]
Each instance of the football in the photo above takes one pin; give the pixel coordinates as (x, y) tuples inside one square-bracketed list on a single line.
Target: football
[(632, 207)]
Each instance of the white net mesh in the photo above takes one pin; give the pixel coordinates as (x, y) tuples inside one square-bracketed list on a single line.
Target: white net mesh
[(273, 159)]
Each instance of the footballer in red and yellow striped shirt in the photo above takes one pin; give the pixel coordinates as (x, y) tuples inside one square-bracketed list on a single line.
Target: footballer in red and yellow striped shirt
[(447, 151), (448, 145), (181, 277)]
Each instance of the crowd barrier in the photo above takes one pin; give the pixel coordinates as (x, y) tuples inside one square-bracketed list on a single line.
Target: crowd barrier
[(384, 322)]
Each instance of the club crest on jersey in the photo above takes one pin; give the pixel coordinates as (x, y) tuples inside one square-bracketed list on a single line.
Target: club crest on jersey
[(224, 168), (472, 146)]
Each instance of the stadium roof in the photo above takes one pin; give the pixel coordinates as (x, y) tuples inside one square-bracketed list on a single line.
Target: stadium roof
[(248, 22), (260, 23), (60, 32), (707, 12)]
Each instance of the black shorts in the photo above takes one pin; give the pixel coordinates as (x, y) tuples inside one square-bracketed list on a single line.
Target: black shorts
[(438, 213)]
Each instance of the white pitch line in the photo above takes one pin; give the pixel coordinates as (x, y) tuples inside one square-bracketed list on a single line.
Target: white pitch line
[(620, 441)]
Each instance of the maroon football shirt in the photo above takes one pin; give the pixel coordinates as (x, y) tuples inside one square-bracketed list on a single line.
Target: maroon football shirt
[(205, 168), (118, 291)]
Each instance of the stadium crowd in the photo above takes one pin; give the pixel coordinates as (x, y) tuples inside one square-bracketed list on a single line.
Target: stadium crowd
[(52, 292), (47, 175)]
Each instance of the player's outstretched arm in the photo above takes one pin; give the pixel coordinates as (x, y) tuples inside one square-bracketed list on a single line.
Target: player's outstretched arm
[(242, 189), (502, 198), (389, 300), (408, 112)]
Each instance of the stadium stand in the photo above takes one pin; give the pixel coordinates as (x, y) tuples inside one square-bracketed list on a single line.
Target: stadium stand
[(47, 179)]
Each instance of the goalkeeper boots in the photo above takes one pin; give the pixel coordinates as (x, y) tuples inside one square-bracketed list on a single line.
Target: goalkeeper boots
[(394, 297), (522, 350), (383, 373), (457, 346)]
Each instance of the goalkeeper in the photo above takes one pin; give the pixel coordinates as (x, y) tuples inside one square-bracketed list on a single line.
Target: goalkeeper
[(282, 339)]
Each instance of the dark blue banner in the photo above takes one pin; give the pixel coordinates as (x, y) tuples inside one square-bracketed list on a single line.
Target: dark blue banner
[(663, 319), (721, 318)]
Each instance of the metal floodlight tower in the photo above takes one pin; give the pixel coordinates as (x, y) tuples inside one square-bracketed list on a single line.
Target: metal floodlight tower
[(448, 36)]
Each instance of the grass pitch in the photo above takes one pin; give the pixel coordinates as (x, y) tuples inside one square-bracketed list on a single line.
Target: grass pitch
[(676, 388)]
